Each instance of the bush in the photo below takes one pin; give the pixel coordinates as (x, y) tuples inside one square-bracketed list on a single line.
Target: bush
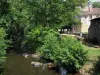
[(36, 36), (3, 47), (63, 51), (96, 70), (31, 42)]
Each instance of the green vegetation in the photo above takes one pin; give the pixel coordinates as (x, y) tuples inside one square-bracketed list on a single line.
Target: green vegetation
[(3, 47), (36, 36), (94, 60), (96, 4), (20, 17), (55, 13), (64, 51), (92, 52), (97, 67), (32, 24)]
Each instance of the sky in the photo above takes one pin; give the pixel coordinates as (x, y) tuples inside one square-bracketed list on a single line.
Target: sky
[(94, 0)]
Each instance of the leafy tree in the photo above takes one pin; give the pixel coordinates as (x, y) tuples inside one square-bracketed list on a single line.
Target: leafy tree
[(3, 47), (15, 22), (63, 51), (50, 13), (55, 13), (35, 37), (96, 4), (22, 16), (18, 22), (4, 7)]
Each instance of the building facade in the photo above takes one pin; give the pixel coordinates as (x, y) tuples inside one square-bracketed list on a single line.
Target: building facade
[(85, 17), (87, 14)]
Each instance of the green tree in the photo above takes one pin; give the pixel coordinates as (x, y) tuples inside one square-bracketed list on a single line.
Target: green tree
[(51, 13), (35, 37), (23, 15), (4, 7), (3, 42), (3, 47), (55, 13), (15, 21), (96, 4)]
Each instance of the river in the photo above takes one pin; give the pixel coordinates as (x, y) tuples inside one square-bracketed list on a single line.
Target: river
[(18, 65)]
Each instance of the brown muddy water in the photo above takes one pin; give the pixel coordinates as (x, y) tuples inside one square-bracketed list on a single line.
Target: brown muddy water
[(19, 65)]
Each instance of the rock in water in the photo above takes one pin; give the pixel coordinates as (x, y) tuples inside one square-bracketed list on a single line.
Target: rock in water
[(35, 56), (26, 55), (36, 64)]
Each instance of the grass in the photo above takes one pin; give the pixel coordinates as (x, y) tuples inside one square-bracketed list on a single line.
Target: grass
[(92, 52)]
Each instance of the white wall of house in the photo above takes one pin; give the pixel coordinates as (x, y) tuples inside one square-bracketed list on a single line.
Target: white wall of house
[(94, 16), (85, 23), (85, 20)]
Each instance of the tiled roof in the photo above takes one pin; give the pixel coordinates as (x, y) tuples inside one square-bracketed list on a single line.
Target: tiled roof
[(91, 11)]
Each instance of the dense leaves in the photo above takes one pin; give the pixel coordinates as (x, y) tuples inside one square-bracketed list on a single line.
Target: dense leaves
[(64, 51), (3, 47), (35, 37), (96, 4), (96, 70), (21, 16), (55, 13), (15, 21), (31, 24)]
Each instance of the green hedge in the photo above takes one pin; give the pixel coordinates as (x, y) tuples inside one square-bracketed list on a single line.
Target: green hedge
[(63, 51)]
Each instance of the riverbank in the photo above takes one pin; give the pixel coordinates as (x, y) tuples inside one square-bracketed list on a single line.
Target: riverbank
[(21, 61), (90, 65)]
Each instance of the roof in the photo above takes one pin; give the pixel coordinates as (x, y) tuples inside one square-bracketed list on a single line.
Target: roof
[(95, 19), (91, 11)]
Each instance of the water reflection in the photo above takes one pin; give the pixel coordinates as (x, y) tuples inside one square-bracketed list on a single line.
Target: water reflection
[(63, 71), (19, 65)]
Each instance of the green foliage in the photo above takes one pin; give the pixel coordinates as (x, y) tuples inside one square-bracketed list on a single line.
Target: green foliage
[(31, 41), (64, 51), (4, 7), (35, 37), (55, 13), (15, 21), (96, 4), (96, 70), (3, 47), (20, 16)]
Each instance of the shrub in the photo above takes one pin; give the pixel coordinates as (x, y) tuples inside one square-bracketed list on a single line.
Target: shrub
[(31, 41), (63, 51), (36, 36), (3, 47), (96, 70)]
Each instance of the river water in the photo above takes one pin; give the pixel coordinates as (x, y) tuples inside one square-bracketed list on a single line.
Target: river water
[(18, 65)]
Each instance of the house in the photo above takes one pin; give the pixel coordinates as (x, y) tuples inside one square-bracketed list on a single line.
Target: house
[(94, 31), (86, 15)]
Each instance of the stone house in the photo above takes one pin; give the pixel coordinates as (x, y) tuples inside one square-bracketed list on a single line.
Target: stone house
[(85, 17)]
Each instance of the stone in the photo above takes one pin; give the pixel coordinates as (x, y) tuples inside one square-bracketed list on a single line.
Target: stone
[(35, 56), (36, 64)]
